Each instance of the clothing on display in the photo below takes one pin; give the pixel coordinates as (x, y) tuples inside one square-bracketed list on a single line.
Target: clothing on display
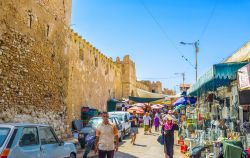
[(225, 112)]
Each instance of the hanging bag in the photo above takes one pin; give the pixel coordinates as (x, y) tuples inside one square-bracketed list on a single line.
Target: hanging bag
[(160, 139)]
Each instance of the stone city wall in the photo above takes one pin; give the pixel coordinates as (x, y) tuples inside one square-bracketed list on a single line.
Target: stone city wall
[(48, 72), (34, 64), (93, 77)]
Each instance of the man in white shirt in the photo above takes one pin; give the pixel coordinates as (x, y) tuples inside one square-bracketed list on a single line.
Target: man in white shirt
[(105, 134), (146, 122)]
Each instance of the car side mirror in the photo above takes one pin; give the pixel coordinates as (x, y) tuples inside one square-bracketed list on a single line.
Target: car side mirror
[(61, 142), (119, 126)]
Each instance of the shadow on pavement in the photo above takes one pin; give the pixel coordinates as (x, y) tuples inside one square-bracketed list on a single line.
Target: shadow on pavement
[(154, 134), (124, 155), (140, 145), (119, 155)]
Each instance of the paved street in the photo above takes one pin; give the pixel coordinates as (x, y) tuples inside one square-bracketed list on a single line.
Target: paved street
[(146, 147)]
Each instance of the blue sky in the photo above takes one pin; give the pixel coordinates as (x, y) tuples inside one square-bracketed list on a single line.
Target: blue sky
[(120, 27)]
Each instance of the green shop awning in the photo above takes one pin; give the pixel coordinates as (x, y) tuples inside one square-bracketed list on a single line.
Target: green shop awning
[(143, 100), (217, 76)]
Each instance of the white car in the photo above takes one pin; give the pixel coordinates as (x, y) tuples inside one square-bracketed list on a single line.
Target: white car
[(123, 117)]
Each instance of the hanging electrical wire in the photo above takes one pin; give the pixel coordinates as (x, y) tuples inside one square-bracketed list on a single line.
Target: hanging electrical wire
[(209, 20), (165, 33)]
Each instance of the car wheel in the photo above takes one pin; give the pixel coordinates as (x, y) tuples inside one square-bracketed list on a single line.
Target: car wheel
[(72, 155), (124, 133), (121, 137)]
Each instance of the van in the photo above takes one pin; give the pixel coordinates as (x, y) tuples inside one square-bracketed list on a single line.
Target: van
[(123, 117)]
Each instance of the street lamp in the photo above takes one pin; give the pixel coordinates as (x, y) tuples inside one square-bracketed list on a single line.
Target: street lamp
[(196, 45)]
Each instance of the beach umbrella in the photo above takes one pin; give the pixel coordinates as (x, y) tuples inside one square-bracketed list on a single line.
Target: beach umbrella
[(181, 106), (181, 100), (157, 106), (185, 101), (139, 105), (138, 110)]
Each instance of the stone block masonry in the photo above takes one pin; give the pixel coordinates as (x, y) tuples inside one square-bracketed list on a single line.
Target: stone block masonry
[(33, 64)]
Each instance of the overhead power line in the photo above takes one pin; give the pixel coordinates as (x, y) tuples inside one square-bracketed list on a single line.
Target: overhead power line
[(209, 20), (165, 33)]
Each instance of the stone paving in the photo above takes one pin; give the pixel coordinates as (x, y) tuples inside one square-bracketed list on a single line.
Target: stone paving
[(146, 147)]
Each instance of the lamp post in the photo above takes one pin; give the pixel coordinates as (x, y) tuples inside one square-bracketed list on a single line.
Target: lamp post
[(196, 45)]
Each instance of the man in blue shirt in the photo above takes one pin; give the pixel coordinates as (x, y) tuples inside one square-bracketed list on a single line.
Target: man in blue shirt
[(134, 126)]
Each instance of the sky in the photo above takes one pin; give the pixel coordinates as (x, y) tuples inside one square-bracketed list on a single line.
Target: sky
[(150, 31)]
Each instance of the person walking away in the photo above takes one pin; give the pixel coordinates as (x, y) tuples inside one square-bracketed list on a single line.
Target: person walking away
[(123, 107), (105, 134), (134, 126), (168, 133), (151, 115), (146, 122), (156, 122)]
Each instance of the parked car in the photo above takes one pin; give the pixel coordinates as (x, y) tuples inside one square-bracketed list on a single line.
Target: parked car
[(92, 125), (123, 117), (77, 126), (32, 141), (115, 120)]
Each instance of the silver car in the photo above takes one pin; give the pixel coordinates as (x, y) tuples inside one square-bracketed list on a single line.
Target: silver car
[(32, 141)]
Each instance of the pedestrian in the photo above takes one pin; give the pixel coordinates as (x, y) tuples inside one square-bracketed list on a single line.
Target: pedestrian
[(156, 122), (105, 134), (146, 122), (151, 114), (168, 132), (90, 142), (134, 126), (123, 107)]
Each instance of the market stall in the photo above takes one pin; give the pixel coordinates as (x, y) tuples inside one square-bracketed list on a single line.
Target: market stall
[(212, 126)]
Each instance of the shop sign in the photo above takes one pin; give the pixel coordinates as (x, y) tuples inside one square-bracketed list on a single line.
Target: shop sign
[(244, 77)]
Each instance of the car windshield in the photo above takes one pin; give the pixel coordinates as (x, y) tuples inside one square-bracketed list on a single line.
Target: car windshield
[(94, 122), (3, 135), (120, 117)]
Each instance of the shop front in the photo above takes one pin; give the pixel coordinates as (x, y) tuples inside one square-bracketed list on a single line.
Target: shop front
[(213, 126)]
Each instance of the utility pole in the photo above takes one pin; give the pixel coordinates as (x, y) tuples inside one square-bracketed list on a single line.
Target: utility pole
[(183, 78), (196, 45)]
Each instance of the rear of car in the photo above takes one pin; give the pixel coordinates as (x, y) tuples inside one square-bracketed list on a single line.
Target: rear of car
[(89, 128), (6, 139)]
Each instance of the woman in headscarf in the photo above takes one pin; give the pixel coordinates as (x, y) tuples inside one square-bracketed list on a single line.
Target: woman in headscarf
[(156, 122), (168, 131)]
